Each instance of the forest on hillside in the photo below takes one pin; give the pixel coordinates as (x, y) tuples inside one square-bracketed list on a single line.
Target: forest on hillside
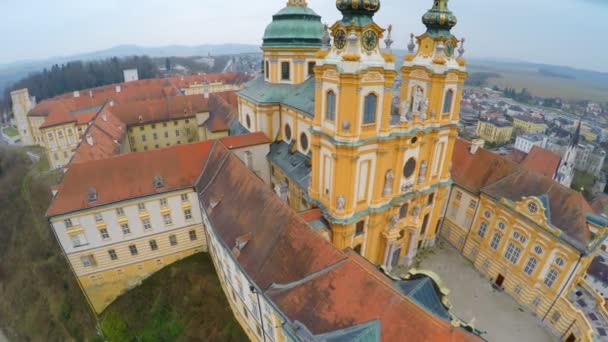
[(77, 75)]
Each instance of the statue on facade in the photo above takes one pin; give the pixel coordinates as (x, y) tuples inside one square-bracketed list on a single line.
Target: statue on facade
[(394, 221), (405, 109), (341, 205), (416, 211), (388, 183), (422, 173), (418, 99), (424, 109)]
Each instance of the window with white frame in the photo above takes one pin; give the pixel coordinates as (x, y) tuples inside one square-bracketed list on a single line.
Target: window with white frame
[(120, 211), (87, 261), (125, 228), (184, 197), (163, 202), (167, 219), (530, 266), (512, 253), (68, 223), (78, 240), (98, 217), (551, 276), (173, 240), (141, 206), (146, 223), (192, 235), (112, 254), (188, 214), (133, 250), (483, 228), (104, 234), (495, 241)]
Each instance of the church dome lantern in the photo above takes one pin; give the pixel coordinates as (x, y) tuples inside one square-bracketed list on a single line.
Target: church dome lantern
[(295, 26), (439, 20), (359, 11)]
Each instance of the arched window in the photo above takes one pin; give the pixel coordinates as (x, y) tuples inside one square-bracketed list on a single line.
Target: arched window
[(483, 228), (550, 279), (369, 113), (530, 266), (330, 111), (447, 102)]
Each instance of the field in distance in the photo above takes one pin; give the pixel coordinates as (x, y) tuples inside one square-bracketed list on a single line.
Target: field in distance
[(545, 80)]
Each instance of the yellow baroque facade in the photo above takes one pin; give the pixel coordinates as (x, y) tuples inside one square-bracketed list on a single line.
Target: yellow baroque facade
[(377, 166), (532, 237), (494, 131)]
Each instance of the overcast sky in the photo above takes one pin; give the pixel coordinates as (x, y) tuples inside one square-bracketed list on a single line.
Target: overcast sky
[(564, 32)]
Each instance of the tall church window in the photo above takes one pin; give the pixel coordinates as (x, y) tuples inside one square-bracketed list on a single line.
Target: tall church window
[(530, 266), (447, 102), (331, 106), (550, 279), (370, 106), (285, 72), (311, 68), (267, 69)]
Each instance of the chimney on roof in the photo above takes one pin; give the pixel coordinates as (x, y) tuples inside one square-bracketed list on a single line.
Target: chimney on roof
[(240, 243), (76, 93), (118, 89), (206, 94), (104, 116), (111, 103), (476, 144), (90, 93), (89, 139)]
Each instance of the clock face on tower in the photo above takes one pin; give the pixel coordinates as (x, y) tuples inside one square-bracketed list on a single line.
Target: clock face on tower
[(340, 39), (370, 40)]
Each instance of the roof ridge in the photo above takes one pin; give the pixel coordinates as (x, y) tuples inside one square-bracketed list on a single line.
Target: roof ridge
[(284, 287)]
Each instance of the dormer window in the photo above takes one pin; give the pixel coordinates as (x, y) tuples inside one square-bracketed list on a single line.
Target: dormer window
[(159, 183), (92, 195)]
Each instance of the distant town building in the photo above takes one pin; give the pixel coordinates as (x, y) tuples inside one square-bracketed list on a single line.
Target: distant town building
[(525, 142), (495, 131), (565, 173), (130, 75), (590, 158), (528, 124)]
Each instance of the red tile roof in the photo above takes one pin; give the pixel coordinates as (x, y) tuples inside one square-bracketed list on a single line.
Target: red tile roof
[(238, 141), (123, 177), (221, 112), (158, 110), (311, 215), (102, 139), (321, 287), (467, 171), (542, 161)]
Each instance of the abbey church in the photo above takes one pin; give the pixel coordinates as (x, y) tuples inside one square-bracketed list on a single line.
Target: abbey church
[(313, 184), (375, 162)]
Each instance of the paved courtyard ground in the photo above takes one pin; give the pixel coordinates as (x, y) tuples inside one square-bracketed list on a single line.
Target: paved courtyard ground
[(473, 297)]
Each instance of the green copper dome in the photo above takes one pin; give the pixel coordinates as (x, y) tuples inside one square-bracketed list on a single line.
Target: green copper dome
[(439, 20), (294, 26), (358, 11)]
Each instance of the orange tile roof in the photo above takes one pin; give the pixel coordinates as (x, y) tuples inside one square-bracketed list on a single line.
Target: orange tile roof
[(517, 156), (238, 141), (158, 110), (102, 139), (320, 286), (311, 215), (466, 170), (221, 112), (123, 177), (542, 161)]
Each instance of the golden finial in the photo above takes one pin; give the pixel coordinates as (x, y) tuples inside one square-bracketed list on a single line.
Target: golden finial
[(297, 3)]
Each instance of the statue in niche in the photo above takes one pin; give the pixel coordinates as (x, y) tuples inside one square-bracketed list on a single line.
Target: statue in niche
[(388, 182), (422, 173), (341, 203), (424, 109), (405, 109), (416, 211), (417, 99), (394, 221)]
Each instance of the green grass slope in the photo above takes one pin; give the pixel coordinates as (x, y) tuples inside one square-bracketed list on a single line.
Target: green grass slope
[(182, 302), (39, 297)]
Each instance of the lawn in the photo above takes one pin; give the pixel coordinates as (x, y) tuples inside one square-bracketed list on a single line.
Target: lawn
[(183, 301), (11, 131)]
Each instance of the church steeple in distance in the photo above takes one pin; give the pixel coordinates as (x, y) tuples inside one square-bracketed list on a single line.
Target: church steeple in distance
[(576, 138)]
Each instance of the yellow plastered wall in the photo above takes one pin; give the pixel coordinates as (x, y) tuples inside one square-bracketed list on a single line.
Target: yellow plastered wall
[(61, 143), (163, 134), (108, 279)]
